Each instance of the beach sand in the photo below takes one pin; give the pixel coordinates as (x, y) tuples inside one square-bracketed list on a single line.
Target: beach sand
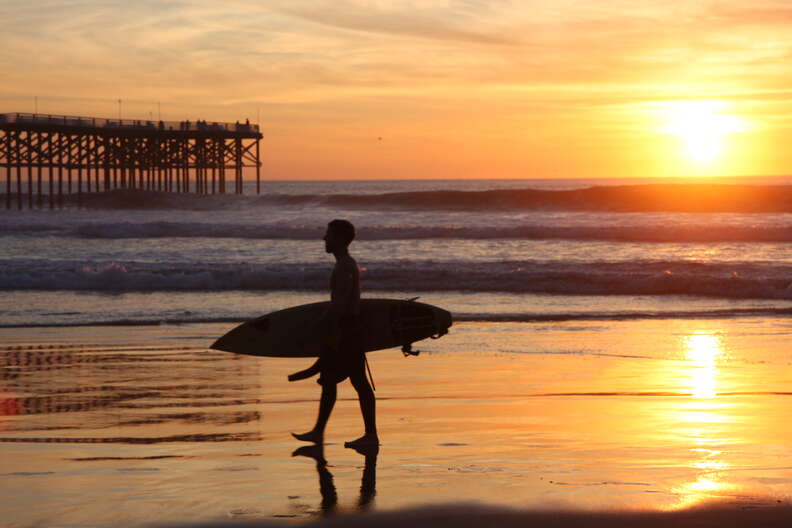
[(111, 426)]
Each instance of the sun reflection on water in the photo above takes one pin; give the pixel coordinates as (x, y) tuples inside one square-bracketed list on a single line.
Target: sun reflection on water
[(703, 351), (703, 419)]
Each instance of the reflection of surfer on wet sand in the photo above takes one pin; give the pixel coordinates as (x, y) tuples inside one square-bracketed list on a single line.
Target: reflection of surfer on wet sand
[(345, 357), (368, 483)]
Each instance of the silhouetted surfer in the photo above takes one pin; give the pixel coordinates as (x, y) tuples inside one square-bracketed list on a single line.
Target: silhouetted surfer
[(345, 357)]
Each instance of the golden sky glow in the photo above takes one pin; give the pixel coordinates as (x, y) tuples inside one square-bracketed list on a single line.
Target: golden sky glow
[(455, 89)]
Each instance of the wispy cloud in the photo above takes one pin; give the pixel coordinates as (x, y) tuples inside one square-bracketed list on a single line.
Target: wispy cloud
[(432, 22), (488, 65)]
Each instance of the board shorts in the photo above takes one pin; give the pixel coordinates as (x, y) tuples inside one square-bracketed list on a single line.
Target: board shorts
[(338, 362)]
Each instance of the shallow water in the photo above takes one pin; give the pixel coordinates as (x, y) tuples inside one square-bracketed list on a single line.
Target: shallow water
[(139, 425)]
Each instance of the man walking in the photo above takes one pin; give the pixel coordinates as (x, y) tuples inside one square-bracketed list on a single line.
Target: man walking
[(346, 357)]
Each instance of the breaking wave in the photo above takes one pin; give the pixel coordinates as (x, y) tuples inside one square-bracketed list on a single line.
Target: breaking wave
[(700, 232), (719, 280)]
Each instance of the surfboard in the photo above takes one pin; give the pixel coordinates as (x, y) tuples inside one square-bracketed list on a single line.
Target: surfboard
[(387, 323)]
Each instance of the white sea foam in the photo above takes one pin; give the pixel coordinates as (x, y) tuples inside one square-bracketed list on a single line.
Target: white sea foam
[(720, 280)]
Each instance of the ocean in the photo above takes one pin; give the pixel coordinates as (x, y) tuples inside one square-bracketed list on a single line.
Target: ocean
[(488, 250), (617, 346)]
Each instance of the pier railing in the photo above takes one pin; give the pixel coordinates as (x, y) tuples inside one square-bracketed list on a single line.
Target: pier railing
[(142, 124)]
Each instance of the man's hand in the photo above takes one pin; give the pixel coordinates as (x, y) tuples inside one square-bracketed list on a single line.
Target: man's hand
[(313, 370)]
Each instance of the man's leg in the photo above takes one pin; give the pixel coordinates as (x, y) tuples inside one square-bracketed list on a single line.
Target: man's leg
[(367, 407), (326, 403)]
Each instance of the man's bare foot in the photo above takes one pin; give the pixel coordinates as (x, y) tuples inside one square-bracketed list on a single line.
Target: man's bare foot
[(363, 441), (310, 436)]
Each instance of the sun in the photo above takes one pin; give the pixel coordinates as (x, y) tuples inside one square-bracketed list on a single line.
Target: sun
[(702, 127)]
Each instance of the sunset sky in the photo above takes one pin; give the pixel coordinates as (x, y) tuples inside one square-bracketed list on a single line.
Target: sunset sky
[(429, 88)]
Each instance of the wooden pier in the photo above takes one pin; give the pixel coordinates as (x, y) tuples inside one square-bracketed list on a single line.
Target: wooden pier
[(47, 157)]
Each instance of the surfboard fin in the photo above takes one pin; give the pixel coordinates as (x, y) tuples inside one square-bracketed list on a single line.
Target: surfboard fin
[(439, 334), (413, 299), (408, 351)]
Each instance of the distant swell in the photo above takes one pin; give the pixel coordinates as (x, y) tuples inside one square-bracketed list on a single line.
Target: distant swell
[(722, 280), (695, 198)]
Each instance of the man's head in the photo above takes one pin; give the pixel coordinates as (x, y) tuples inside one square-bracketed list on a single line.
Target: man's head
[(340, 233)]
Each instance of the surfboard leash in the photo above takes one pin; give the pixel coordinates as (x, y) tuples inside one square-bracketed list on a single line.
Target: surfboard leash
[(368, 369)]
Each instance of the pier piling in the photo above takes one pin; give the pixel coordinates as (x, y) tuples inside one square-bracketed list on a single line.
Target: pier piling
[(98, 154)]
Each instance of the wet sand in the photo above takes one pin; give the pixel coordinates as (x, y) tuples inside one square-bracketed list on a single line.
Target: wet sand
[(144, 425)]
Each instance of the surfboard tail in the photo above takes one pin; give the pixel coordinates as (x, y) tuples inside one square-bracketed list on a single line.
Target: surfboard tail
[(443, 321)]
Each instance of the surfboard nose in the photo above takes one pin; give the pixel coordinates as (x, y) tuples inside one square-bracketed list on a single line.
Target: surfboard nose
[(221, 344)]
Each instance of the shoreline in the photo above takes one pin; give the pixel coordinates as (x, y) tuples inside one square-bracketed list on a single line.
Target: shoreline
[(752, 513)]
